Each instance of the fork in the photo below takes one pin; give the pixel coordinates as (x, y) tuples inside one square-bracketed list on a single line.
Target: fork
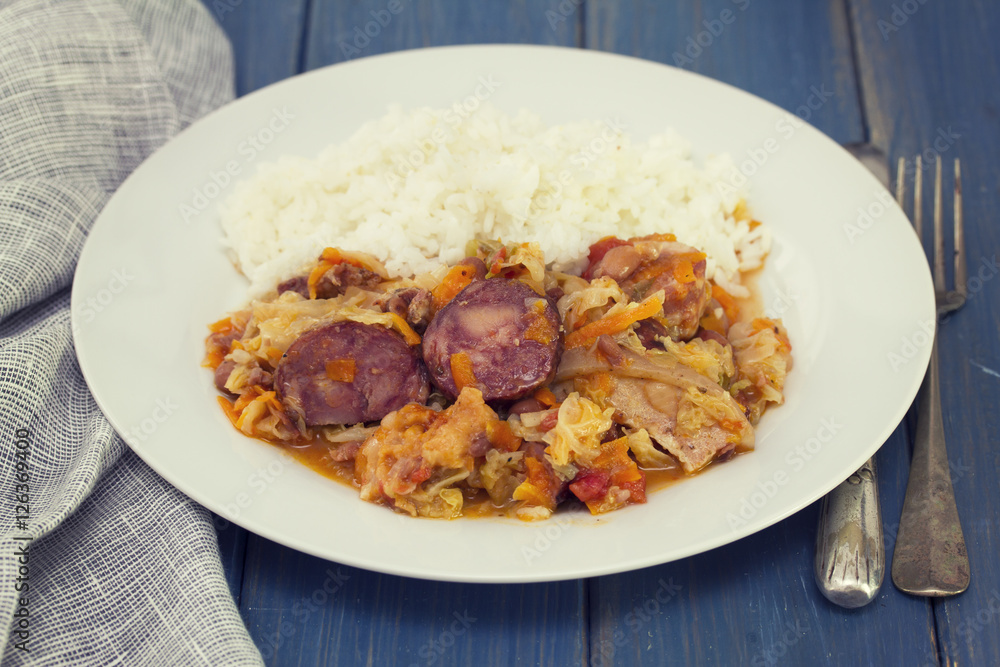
[(930, 557)]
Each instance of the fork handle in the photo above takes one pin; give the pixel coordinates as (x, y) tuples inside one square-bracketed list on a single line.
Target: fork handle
[(930, 557), (850, 550)]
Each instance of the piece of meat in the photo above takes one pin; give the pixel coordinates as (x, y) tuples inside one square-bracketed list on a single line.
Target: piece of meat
[(590, 485), (686, 413), (678, 270), (222, 374), (648, 331), (299, 284), (607, 346), (529, 404), (413, 304), (477, 264), (509, 335), (347, 373), (618, 263), (334, 281), (345, 451), (656, 407), (345, 275), (261, 378)]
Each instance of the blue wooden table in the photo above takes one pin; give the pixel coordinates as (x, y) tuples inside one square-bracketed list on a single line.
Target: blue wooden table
[(900, 74)]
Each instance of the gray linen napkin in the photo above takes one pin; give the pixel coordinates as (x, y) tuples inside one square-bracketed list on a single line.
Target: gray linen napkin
[(102, 562)]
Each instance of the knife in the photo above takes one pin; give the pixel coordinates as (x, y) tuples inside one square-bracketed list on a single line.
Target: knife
[(850, 546)]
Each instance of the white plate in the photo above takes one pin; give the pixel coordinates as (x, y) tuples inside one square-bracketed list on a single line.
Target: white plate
[(855, 295)]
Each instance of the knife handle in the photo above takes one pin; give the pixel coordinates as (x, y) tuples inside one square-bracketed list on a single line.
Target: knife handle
[(850, 547)]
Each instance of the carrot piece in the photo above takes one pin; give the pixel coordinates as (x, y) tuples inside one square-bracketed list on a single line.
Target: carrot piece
[(457, 279), (502, 437), (668, 237), (213, 359), (539, 329), (409, 335), (461, 370), (614, 323), (326, 262), (341, 370), (545, 396), (227, 407), (539, 488), (223, 326), (761, 323), (684, 272), (246, 398), (728, 303)]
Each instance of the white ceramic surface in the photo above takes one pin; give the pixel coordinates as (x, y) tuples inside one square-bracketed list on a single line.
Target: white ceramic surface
[(855, 295)]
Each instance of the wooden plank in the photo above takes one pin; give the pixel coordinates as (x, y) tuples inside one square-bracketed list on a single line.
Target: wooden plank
[(928, 73), (267, 38), (779, 51), (340, 31), (302, 610)]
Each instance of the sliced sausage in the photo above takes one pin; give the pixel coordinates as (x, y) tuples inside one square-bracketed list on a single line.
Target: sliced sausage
[(509, 334), (347, 373)]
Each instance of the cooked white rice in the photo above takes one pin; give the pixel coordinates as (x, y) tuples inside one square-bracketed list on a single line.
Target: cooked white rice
[(412, 188)]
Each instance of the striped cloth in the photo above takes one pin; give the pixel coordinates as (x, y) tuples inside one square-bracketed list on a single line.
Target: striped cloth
[(102, 562)]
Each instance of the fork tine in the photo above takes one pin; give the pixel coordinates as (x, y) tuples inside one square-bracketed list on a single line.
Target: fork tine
[(960, 270), (918, 197), (939, 275)]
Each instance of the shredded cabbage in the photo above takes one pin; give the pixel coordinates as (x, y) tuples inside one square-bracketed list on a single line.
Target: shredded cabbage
[(576, 437)]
